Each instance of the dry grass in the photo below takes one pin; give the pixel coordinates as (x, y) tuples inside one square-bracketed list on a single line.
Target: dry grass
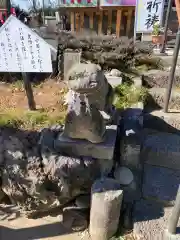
[(17, 118), (49, 98)]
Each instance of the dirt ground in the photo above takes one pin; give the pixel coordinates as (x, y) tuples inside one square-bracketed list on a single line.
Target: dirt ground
[(47, 95), (14, 226)]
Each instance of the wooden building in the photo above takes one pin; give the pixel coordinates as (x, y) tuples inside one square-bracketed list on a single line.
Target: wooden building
[(107, 18)]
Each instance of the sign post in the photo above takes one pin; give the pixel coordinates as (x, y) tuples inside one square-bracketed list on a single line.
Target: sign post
[(29, 91), (22, 50)]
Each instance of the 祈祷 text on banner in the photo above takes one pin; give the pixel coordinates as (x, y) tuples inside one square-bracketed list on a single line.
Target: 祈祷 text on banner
[(148, 13), (77, 3)]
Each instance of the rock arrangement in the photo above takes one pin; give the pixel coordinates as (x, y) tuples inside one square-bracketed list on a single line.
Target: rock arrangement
[(35, 178), (48, 171), (107, 51)]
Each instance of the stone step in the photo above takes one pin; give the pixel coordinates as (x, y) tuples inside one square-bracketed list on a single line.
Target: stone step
[(159, 78), (161, 149), (167, 61), (160, 184), (157, 96), (150, 221), (165, 122)]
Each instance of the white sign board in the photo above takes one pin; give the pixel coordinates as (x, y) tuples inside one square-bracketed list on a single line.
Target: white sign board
[(22, 50), (148, 12)]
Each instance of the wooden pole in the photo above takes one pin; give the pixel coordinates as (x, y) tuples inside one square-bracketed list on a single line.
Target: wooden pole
[(29, 91), (118, 22)]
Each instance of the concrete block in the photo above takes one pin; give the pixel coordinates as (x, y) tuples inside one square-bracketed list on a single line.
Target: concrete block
[(131, 141), (75, 147), (165, 122), (137, 81), (113, 80), (162, 149), (106, 199), (130, 152), (157, 99), (160, 183), (130, 146), (151, 220), (71, 57)]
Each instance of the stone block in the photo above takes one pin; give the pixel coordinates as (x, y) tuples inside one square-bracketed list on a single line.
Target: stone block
[(75, 147), (151, 220), (163, 122), (137, 82), (162, 149), (113, 80), (71, 57), (156, 99), (130, 152), (106, 200), (131, 141), (160, 183)]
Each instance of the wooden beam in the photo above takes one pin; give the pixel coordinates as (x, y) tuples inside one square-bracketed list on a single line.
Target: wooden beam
[(109, 22), (91, 20), (118, 22), (77, 22), (100, 19), (81, 21), (72, 21), (129, 18)]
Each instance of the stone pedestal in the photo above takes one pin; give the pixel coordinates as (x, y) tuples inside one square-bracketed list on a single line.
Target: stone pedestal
[(82, 148), (103, 152)]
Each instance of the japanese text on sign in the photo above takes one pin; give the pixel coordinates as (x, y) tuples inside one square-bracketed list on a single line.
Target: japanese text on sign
[(148, 13), (22, 50)]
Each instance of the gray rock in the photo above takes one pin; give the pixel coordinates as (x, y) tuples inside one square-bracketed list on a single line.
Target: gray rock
[(123, 175), (75, 219), (159, 78), (72, 176), (22, 176), (2, 195), (115, 73)]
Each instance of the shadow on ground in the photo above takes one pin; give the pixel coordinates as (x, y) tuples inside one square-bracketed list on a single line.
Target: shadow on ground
[(37, 232)]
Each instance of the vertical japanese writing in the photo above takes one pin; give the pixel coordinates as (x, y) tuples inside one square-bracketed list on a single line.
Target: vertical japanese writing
[(4, 56), (30, 44), (9, 44), (23, 48), (18, 58), (38, 54), (152, 8)]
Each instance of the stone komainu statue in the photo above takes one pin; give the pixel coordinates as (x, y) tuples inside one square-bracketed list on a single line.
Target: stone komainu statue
[(88, 99)]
